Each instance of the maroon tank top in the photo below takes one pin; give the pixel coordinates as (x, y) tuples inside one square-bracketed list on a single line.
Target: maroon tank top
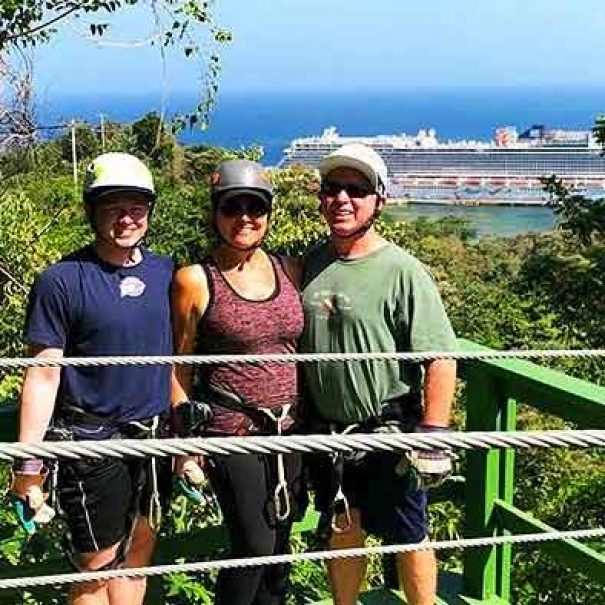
[(235, 325)]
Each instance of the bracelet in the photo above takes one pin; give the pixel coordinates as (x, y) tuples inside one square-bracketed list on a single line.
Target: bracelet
[(28, 466), (431, 428)]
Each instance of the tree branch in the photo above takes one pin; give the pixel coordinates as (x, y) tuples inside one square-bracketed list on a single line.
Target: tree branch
[(33, 30)]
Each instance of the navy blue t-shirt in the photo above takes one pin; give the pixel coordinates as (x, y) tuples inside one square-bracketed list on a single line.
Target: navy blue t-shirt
[(88, 307)]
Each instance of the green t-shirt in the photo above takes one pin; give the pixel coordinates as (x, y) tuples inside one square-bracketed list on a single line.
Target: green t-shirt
[(382, 302)]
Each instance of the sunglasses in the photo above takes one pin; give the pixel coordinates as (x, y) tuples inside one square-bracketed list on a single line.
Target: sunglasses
[(238, 207), (353, 190)]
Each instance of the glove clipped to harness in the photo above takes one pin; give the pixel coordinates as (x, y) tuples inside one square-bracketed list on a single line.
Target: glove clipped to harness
[(191, 481), (189, 418), (27, 494), (427, 468)]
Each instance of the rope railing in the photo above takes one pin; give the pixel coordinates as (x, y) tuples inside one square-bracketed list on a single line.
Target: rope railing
[(145, 360), (205, 566), (282, 444), (274, 444)]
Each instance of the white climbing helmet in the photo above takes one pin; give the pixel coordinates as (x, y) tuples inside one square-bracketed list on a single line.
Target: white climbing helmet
[(113, 172)]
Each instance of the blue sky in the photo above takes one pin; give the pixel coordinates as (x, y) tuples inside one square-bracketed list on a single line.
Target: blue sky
[(289, 45)]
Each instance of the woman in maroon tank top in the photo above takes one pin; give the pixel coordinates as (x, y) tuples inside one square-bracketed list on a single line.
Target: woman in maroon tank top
[(241, 300)]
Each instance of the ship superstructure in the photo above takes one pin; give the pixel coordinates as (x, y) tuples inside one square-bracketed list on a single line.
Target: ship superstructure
[(506, 169)]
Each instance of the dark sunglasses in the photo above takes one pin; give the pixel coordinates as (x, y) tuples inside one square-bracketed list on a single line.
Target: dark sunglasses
[(238, 207), (353, 190)]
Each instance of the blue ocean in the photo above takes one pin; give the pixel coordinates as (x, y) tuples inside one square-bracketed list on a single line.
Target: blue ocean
[(272, 119)]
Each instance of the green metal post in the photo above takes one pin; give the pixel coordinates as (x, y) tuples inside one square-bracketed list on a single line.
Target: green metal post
[(482, 482), (490, 475), (508, 422)]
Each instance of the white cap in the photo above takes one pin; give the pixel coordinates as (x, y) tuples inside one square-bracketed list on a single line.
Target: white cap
[(358, 157)]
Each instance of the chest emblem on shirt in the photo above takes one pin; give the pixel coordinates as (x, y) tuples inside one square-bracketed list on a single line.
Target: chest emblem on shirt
[(131, 286), (330, 304)]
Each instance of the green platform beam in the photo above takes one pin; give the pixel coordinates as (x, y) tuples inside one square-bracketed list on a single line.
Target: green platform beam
[(571, 553)]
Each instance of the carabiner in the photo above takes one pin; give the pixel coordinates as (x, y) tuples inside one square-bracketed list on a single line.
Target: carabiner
[(281, 496), (336, 528)]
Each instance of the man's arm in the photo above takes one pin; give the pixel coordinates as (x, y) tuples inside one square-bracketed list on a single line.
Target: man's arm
[(439, 389), (38, 396)]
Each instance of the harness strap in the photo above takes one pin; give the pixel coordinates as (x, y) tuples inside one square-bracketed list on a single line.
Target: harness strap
[(231, 401), (397, 415), (155, 506), (340, 500), (260, 417), (281, 494)]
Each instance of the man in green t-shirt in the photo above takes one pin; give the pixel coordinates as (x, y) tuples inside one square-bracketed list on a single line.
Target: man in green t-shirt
[(364, 294)]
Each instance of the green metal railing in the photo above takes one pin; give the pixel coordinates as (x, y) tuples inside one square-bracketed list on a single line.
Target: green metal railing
[(493, 389)]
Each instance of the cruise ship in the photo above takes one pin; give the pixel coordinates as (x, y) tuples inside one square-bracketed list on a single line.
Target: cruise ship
[(504, 170)]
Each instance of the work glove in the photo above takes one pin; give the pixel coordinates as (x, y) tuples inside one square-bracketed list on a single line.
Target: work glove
[(426, 468), (191, 480), (189, 418), (27, 494)]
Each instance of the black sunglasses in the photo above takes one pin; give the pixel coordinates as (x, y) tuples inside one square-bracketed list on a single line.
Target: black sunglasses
[(353, 190), (238, 207)]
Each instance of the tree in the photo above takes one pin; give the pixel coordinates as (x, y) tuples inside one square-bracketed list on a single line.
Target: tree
[(17, 119), (177, 23), (583, 217)]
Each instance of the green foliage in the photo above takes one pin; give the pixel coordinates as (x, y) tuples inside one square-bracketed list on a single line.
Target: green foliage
[(565, 489), (295, 223), (583, 217), (151, 138), (87, 144), (202, 160)]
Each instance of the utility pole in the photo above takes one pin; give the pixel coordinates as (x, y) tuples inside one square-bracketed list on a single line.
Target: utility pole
[(102, 116), (74, 157)]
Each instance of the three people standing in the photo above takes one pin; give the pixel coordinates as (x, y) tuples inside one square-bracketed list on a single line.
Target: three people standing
[(359, 294)]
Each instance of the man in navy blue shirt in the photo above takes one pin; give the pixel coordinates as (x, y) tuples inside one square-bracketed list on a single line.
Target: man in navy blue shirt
[(108, 298)]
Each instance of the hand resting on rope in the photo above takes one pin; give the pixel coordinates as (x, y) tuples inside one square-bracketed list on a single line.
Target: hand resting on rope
[(428, 468)]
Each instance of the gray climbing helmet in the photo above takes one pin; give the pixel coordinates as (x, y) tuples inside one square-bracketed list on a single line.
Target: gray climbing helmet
[(240, 177)]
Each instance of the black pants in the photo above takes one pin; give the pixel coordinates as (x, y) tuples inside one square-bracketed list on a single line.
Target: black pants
[(244, 487)]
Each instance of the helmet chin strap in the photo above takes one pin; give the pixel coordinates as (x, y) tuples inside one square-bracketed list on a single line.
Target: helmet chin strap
[(366, 226), (242, 248), (223, 240)]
